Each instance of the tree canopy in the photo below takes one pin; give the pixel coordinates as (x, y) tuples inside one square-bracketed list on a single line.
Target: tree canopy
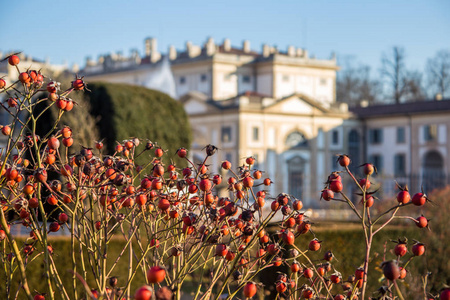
[(114, 112), (124, 111)]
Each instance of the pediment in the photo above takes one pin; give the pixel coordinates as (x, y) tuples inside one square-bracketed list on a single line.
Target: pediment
[(194, 95), (195, 103), (193, 106), (297, 104)]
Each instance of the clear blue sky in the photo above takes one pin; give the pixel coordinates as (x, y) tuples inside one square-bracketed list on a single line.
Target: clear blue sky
[(71, 30)]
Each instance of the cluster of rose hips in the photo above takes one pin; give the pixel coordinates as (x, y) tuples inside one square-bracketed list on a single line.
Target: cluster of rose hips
[(334, 188), (226, 224), (334, 185), (26, 161), (28, 78), (178, 206), (219, 224)]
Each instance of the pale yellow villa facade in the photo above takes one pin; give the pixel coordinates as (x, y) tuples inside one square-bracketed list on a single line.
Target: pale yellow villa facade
[(409, 142), (280, 107)]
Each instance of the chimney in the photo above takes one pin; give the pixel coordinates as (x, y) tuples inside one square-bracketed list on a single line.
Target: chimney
[(291, 51), (299, 52), (151, 49), (147, 46), (246, 46), (266, 50), (101, 59), (343, 107), (305, 53), (226, 45), (210, 46), (189, 48), (172, 52), (193, 50)]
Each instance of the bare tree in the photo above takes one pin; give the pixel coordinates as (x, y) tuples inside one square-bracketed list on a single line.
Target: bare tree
[(404, 84), (369, 89), (414, 88), (355, 84), (438, 72)]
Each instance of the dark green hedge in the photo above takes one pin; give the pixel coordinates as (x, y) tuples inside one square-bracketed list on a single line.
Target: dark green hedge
[(125, 111), (121, 111), (63, 261), (348, 246)]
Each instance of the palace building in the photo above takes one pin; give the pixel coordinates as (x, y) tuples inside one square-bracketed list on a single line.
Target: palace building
[(280, 107)]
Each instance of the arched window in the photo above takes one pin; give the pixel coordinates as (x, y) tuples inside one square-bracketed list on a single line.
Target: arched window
[(433, 175), (296, 139)]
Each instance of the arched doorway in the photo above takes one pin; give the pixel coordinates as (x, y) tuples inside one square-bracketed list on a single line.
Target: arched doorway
[(296, 171), (433, 175), (298, 148)]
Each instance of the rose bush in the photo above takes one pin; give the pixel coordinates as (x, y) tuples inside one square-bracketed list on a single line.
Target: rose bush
[(171, 219)]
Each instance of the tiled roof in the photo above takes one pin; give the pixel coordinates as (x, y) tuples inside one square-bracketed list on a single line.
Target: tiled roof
[(419, 107)]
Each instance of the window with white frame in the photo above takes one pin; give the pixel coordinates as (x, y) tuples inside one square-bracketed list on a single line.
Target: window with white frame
[(376, 135), (255, 133), (226, 134), (335, 137), (430, 132), (246, 79), (377, 161), (400, 135)]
